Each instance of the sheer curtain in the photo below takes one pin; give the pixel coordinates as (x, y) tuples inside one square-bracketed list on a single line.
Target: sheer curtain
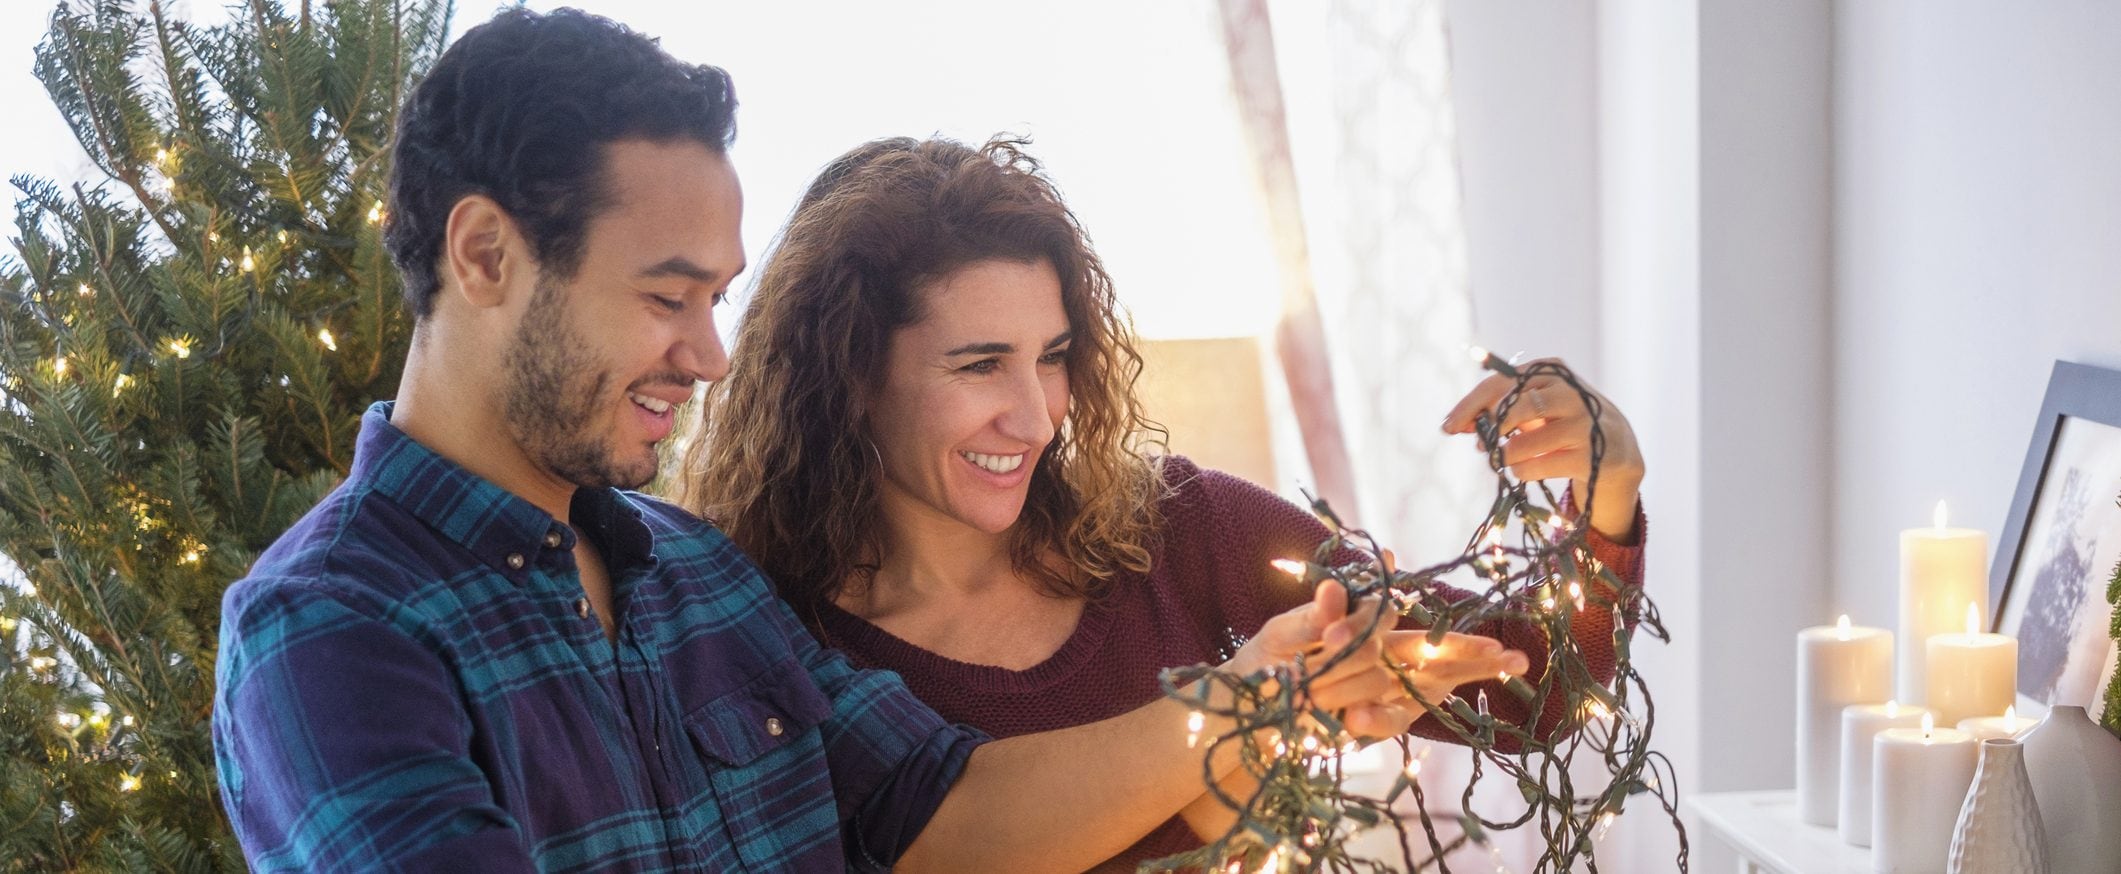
[(1346, 107)]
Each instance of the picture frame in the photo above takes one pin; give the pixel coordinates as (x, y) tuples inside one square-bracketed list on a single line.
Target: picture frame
[(2061, 541)]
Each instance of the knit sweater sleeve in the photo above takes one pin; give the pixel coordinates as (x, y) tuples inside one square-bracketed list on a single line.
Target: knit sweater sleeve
[(1253, 526)]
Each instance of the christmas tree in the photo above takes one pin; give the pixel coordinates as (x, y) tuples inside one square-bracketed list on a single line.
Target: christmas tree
[(186, 346)]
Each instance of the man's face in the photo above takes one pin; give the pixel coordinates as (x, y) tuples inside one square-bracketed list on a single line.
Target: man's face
[(601, 360)]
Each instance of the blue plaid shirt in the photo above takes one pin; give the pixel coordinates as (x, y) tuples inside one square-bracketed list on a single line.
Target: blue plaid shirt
[(411, 679)]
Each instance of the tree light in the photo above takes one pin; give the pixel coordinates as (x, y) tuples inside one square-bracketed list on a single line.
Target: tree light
[(324, 336), (85, 290), (59, 365), (180, 348), (375, 213), (248, 264), (118, 385), (128, 783)]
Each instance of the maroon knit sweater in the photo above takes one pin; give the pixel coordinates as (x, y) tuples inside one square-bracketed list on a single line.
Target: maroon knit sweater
[(1208, 586)]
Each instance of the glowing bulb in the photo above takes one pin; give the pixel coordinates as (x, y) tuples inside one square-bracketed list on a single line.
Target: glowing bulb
[(69, 720), (375, 213), (161, 156), (282, 237), (1310, 743), (1547, 604), (1973, 618), (7, 624), (1605, 824), (1841, 627), (1414, 769), (128, 783), (118, 385), (1479, 355), (1288, 566), (1576, 594), (248, 264), (324, 336), (1430, 651), (1195, 721), (59, 365), (180, 348), (127, 721), (85, 290), (191, 557), (1937, 516), (1929, 726)]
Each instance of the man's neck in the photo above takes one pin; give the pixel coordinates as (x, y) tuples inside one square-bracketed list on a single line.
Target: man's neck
[(460, 419)]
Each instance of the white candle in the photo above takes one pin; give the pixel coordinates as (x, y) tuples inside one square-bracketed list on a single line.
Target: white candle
[(1971, 674), (1918, 783), (1860, 725), (2008, 725), (1837, 665), (1940, 570)]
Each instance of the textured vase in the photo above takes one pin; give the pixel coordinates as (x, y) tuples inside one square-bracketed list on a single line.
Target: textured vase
[(2075, 768), (1999, 827)]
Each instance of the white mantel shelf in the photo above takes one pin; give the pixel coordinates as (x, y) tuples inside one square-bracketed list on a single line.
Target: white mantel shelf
[(1764, 828)]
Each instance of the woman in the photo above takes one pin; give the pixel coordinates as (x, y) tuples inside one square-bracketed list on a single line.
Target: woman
[(929, 440)]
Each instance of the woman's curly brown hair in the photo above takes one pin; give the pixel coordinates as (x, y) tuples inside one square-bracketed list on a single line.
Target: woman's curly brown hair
[(780, 456)]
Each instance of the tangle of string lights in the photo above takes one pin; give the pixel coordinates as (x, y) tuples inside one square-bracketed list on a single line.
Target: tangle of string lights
[(1297, 814)]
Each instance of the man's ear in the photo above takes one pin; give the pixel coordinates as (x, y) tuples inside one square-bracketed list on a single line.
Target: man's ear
[(483, 251)]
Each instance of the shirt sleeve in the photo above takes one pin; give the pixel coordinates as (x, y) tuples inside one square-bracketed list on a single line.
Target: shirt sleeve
[(892, 758), (341, 743)]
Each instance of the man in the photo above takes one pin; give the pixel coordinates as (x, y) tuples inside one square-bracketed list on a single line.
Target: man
[(479, 654)]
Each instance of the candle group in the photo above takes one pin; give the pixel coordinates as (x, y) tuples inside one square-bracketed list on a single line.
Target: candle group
[(1893, 774)]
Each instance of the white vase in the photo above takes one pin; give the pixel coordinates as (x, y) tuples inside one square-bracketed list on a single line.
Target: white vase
[(1999, 827), (2075, 768)]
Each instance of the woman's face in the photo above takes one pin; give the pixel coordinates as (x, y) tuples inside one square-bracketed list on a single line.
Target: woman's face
[(971, 397)]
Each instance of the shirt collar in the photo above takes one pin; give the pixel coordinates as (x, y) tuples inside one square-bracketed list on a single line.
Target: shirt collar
[(503, 530)]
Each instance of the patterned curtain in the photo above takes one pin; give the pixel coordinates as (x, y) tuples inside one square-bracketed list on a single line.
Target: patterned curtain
[(1346, 107)]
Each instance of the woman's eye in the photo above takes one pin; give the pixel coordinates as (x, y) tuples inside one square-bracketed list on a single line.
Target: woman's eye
[(1057, 356), (670, 303)]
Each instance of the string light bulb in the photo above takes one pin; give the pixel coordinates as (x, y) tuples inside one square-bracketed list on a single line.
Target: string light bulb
[(248, 264), (85, 290), (330, 342), (117, 386), (59, 365), (128, 783), (180, 348), (375, 213), (1195, 721)]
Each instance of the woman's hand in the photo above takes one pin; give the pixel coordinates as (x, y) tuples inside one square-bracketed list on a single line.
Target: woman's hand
[(1372, 701), (1547, 435)]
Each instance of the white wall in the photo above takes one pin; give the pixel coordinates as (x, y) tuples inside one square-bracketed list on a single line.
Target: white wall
[(1524, 80), (1978, 226)]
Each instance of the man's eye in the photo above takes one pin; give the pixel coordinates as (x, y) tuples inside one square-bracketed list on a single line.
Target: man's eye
[(984, 365)]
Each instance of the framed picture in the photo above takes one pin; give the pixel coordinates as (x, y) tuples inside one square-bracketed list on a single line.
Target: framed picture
[(2060, 544)]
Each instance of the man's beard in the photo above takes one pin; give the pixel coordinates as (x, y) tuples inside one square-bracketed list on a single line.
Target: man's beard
[(556, 388)]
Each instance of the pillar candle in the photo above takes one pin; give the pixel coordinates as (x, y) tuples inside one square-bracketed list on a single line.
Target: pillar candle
[(1941, 569), (1860, 725), (2008, 725), (1919, 779), (1837, 666), (1971, 674)]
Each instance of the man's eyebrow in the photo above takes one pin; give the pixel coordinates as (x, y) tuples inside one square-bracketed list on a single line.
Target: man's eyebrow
[(682, 266), (1003, 348)]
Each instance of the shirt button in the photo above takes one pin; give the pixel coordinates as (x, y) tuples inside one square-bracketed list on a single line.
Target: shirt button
[(581, 607), (515, 561), (773, 726), (553, 539)]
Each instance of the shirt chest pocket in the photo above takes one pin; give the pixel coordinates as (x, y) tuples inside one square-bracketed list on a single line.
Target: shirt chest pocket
[(766, 763)]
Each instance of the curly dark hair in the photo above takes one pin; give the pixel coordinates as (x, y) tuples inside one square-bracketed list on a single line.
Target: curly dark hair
[(780, 457), (519, 110)]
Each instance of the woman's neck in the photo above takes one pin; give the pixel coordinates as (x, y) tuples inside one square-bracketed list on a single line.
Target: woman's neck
[(929, 557)]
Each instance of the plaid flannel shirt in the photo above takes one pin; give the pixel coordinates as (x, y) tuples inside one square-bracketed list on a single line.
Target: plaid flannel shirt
[(411, 679)]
